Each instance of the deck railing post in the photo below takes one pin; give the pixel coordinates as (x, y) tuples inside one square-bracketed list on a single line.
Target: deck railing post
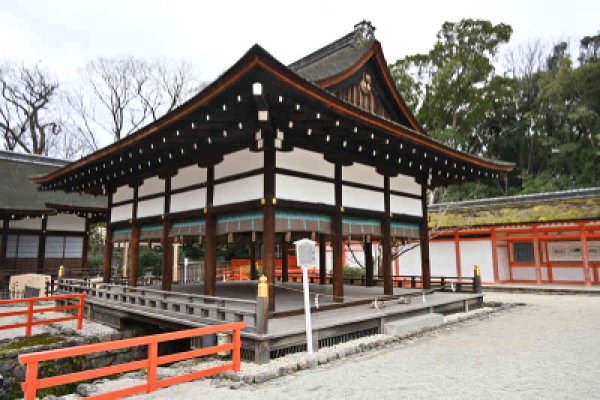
[(236, 354), (152, 366), (29, 318), (413, 282), (31, 377), (262, 306), (80, 311), (477, 279)]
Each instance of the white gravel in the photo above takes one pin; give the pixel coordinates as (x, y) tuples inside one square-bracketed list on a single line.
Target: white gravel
[(547, 350)]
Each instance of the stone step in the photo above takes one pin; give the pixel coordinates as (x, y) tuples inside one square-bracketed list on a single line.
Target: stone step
[(412, 325)]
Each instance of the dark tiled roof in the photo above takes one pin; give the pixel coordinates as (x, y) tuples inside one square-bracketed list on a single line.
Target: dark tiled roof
[(17, 192), (336, 57), (565, 205)]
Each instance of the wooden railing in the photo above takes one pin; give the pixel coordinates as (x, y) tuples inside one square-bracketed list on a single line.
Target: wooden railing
[(201, 308), (30, 323), (32, 383)]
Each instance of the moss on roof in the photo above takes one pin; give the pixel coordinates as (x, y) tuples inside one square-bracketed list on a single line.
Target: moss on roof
[(563, 210)]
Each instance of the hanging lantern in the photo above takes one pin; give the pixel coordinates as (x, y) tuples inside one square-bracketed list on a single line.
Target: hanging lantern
[(253, 237), (368, 239), (288, 236), (230, 237)]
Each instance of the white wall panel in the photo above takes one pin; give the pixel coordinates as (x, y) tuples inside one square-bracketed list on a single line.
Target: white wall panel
[(121, 213), (477, 252), (188, 176), (123, 193), (151, 186), (239, 190), (410, 262), (524, 273), (442, 258), (237, 162), (31, 223), (405, 205), (148, 208), (503, 269), (305, 161), (190, 200), (360, 173), (404, 183), (308, 190), (362, 198), (568, 274), (66, 222)]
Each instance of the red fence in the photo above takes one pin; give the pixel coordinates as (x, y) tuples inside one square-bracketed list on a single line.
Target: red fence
[(30, 311), (32, 383)]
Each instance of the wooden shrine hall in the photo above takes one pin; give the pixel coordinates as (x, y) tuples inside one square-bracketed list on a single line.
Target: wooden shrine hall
[(268, 153)]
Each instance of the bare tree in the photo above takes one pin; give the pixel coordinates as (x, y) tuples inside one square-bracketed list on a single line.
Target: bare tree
[(28, 95)]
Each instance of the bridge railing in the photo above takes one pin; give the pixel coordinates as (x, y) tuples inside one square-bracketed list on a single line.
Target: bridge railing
[(205, 309), (30, 311), (32, 361)]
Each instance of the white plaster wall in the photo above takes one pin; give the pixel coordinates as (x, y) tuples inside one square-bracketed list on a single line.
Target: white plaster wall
[(66, 222), (524, 273), (503, 269), (410, 262), (405, 183), (305, 161), (362, 198), (361, 173), (239, 190), (356, 257), (121, 213), (123, 193), (300, 189), (190, 200), (31, 223), (477, 252), (151, 186), (442, 258), (188, 176), (568, 274), (405, 205), (148, 208), (237, 162)]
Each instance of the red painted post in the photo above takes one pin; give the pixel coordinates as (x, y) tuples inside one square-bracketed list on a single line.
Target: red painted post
[(236, 354), (31, 378), (29, 318), (495, 256), (585, 255), (536, 256), (152, 366), (80, 311)]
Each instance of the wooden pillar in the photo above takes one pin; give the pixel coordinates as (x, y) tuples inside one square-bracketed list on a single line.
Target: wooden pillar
[(457, 254), (3, 244), (284, 260), (269, 214), (322, 260), (585, 256), (253, 269), (386, 245), (368, 249), (495, 256), (134, 253), (536, 257), (336, 239), (424, 233), (108, 244), (166, 241), (41, 256), (86, 243), (210, 240)]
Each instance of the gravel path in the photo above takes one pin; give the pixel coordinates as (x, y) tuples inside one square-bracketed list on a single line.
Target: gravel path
[(547, 350)]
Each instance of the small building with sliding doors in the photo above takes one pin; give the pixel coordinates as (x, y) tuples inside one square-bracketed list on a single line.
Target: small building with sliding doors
[(41, 231), (267, 153), (546, 238)]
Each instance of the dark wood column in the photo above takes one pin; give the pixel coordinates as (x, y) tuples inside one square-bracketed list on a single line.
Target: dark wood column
[(4, 239), (253, 269), (41, 256), (86, 241), (322, 259), (108, 244), (284, 260), (386, 240), (269, 215), (166, 241), (425, 267), (368, 249), (210, 240), (336, 239), (134, 254)]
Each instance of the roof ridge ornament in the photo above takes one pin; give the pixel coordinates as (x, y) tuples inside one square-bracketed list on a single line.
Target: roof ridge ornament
[(363, 31)]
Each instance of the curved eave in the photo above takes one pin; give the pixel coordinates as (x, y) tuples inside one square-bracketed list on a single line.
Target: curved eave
[(257, 57)]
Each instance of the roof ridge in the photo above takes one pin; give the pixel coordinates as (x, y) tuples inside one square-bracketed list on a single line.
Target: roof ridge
[(32, 158)]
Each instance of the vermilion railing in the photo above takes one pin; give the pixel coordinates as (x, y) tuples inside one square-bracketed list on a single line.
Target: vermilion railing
[(30, 323), (32, 383)]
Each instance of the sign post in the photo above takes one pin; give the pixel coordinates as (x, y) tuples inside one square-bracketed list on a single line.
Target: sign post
[(307, 258)]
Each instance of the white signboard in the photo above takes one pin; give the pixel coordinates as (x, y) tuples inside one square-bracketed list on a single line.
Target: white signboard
[(306, 253), (571, 251)]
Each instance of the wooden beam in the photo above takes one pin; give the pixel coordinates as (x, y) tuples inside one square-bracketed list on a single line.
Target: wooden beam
[(322, 260), (167, 241), (386, 245), (3, 244), (269, 215), (284, 259), (108, 244), (253, 269), (336, 239), (86, 241), (368, 250), (424, 239), (210, 239), (41, 256), (134, 255)]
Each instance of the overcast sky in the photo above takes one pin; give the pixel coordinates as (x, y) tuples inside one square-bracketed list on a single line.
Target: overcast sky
[(63, 35)]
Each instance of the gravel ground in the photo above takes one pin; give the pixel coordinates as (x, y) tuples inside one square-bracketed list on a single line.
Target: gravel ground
[(547, 350)]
